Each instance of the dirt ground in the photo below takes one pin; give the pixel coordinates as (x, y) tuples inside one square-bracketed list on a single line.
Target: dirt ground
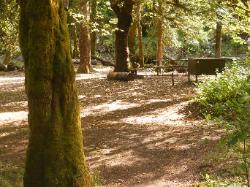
[(137, 133)]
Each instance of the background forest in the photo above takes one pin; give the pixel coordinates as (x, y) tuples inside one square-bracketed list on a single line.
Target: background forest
[(184, 29)]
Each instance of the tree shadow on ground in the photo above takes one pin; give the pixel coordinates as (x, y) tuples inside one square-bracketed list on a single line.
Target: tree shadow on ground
[(126, 154)]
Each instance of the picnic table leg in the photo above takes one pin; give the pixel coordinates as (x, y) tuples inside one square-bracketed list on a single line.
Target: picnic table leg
[(196, 78)]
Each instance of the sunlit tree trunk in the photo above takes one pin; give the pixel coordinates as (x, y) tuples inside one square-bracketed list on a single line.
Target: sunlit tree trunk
[(131, 40), (7, 58), (93, 20), (75, 42), (218, 39), (123, 11), (85, 41), (55, 155), (139, 29), (159, 34)]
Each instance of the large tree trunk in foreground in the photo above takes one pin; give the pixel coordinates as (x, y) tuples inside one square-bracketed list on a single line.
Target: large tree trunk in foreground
[(85, 41), (139, 28), (218, 40), (55, 155), (123, 11)]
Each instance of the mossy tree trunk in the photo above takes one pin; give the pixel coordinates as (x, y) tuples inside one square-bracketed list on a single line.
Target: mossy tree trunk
[(55, 155), (159, 34), (218, 39), (85, 41), (139, 29), (93, 20), (123, 10)]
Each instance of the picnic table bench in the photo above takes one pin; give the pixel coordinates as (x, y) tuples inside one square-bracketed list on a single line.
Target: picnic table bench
[(206, 66), (193, 66)]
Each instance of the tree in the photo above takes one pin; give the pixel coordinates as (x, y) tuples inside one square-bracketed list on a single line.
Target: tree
[(218, 39), (139, 31), (131, 40), (85, 41), (123, 10), (159, 33), (55, 151), (93, 20)]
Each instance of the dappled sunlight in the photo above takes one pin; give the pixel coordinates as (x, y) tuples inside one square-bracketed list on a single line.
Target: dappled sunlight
[(97, 74), (7, 117), (165, 116), (16, 104), (107, 107), (135, 133), (11, 80)]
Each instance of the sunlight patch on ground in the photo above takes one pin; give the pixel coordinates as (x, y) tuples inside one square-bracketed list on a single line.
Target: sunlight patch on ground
[(99, 73), (8, 117), (107, 107), (17, 104), (109, 159), (167, 116), (11, 80)]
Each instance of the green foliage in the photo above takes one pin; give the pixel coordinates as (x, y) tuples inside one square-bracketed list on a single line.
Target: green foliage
[(227, 101), (10, 175), (9, 27), (212, 182)]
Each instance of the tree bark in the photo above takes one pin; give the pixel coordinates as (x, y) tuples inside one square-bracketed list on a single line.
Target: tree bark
[(93, 20), (75, 42), (139, 29), (123, 11), (159, 34), (85, 41), (7, 58), (218, 39), (131, 40), (55, 155)]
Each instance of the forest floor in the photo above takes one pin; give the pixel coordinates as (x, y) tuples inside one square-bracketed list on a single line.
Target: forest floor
[(138, 133)]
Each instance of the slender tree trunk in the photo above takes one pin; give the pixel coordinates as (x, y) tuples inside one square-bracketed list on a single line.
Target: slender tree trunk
[(218, 39), (124, 15), (7, 58), (93, 20), (75, 42), (131, 40), (85, 41), (55, 155), (139, 28), (159, 35)]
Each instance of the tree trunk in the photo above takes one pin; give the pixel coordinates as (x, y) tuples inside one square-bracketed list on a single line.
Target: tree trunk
[(123, 11), (218, 39), (159, 34), (85, 41), (55, 155), (75, 42), (131, 40), (7, 58), (93, 20), (139, 28)]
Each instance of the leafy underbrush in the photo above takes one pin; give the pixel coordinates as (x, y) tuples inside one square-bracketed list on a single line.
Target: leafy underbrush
[(226, 100)]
